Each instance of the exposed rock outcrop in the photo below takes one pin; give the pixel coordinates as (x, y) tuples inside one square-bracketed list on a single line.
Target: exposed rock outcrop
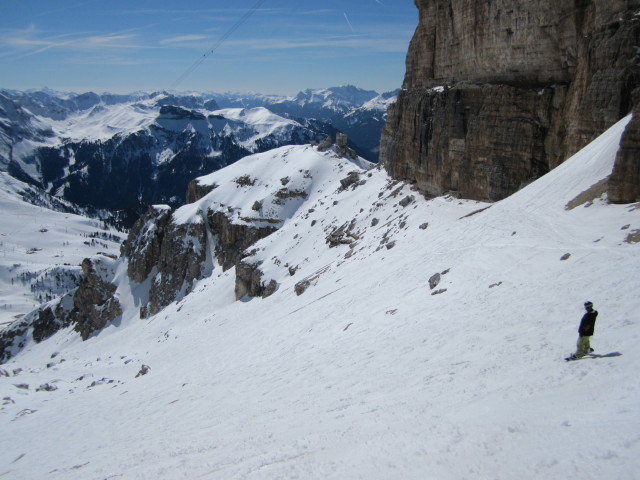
[(144, 243), (172, 254), (624, 183), (249, 282), (196, 190), (12, 340), (46, 325), (340, 147), (233, 239), (181, 262), (94, 303), (496, 93), (89, 308), (167, 254)]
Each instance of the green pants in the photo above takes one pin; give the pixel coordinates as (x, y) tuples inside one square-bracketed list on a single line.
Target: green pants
[(583, 346)]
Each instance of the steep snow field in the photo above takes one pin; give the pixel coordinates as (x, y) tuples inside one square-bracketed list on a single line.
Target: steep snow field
[(41, 250), (369, 373)]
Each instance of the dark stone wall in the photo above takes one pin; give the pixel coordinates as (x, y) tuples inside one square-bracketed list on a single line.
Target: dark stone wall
[(497, 93)]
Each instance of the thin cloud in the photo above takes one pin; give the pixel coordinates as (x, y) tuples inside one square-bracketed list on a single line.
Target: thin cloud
[(105, 60), (184, 39), (111, 41), (199, 12), (335, 43), (31, 41)]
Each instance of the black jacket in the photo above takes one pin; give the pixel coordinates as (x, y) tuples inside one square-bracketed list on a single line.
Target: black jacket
[(588, 323)]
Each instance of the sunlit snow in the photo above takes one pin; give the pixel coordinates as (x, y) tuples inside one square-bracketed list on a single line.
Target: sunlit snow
[(370, 373)]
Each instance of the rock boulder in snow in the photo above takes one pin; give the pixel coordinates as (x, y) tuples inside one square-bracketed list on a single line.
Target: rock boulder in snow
[(249, 282)]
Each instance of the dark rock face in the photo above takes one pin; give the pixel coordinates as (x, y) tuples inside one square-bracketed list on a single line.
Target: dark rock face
[(249, 282), (46, 325), (496, 93), (180, 263), (196, 191), (89, 308), (468, 141), (12, 340), (495, 41), (234, 239), (607, 72), (144, 243), (175, 255), (95, 305), (624, 183)]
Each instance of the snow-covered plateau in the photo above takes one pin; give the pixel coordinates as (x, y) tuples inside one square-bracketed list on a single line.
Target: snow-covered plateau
[(408, 338)]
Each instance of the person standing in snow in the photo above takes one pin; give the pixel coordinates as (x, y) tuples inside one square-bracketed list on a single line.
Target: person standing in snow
[(586, 329)]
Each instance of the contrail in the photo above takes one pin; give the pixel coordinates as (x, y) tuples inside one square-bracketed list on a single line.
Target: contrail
[(347, 19), (216, 45)]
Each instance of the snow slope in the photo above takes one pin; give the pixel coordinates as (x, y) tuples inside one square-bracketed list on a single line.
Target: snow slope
[(370, 373), (41, 250)]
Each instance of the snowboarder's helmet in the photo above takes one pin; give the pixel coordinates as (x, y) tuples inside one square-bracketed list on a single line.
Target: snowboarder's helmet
[(588, 305)]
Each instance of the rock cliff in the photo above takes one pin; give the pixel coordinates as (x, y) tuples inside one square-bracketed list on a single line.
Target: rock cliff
[(496, 93), (94, 303), (624, 183), (170, 256)]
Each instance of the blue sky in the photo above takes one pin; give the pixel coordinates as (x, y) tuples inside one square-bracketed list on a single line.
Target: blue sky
[(267, 46)]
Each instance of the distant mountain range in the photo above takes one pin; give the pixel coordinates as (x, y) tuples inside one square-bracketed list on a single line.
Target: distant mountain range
[(121, 153)]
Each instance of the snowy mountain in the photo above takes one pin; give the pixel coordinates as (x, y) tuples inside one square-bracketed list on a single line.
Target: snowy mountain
[(309, 103), (337, 99), (123, 152), (119, 154), (397, 337), (358, 113)]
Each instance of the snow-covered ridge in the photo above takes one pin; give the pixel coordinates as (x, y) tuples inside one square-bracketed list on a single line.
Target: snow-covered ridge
[(102, 121), (379, 103), (270, 187)]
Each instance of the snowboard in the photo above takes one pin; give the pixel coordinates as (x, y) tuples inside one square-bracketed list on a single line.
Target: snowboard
[(593, 355), (586, 355)]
